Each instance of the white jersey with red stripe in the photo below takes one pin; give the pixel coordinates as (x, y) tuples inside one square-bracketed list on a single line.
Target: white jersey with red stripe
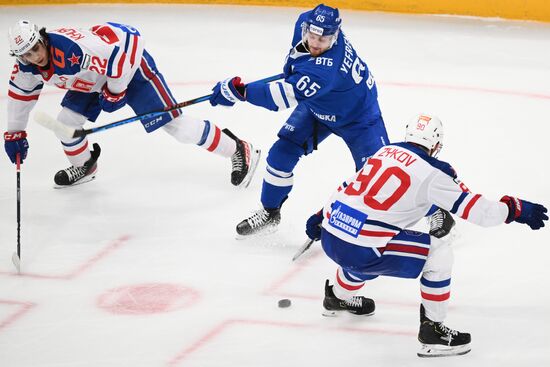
[(394, 190), (81, 60)]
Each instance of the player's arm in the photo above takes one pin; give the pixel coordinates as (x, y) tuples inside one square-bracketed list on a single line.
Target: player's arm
[(23, 92), (123, 61), (276, 96), (450, 194), (313, 224)]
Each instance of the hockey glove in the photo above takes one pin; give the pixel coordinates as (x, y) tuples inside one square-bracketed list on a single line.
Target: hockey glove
[(227, 92), (523, 211), (313, 226), (441, 223), (16, 143), (110, 102)]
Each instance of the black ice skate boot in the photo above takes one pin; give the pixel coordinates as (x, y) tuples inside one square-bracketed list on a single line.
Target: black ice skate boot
[(440, 341), (78, 175), (357, 305), (441, 223), (243, 161), (261, 222)]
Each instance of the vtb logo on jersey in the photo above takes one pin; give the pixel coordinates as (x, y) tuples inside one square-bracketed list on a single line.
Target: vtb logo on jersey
[(347, 219)]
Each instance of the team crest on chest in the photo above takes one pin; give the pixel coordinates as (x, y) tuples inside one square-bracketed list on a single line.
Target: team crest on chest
[(74, 60)]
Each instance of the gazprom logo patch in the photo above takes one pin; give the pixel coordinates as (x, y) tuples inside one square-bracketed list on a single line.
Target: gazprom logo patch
[(346, 219)]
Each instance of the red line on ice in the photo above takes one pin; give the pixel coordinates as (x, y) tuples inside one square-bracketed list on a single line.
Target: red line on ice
[(115, 244), (24, 307), (224, 325)]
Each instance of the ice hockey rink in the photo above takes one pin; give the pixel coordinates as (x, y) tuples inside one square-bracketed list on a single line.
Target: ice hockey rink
[(141, 266)]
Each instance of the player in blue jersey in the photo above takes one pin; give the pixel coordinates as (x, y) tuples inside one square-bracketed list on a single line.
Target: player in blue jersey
[(333, 92), (103, 68)]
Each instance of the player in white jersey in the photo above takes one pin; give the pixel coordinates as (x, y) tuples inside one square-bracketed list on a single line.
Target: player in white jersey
[(363, 228), (102, 68)]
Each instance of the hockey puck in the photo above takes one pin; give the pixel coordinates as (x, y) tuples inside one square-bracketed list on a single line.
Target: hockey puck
[(284, 303)]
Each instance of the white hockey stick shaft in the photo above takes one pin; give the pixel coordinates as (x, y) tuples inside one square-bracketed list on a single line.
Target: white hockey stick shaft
[(52, 124)]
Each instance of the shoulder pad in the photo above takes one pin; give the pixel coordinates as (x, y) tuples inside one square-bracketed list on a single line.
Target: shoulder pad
[(445, 167), (27, 68), (434, 162)]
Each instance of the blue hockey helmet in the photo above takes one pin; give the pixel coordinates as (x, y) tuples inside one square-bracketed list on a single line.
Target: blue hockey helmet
[(323, 20)]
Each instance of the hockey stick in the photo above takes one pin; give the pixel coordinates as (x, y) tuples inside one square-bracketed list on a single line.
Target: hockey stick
[(50, 123), (16, 257), (303, 248)]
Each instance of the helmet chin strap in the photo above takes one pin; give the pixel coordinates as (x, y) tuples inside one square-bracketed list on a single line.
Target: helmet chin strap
[(435, 151), (306, 46), (334, 39)]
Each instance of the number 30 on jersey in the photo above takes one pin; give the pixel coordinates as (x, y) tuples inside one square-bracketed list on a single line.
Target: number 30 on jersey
[(364, 182)]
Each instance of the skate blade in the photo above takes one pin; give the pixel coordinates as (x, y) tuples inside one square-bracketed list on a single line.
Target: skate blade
[(79, 182), (436, 350), (261, 233), (254, 160), (329, 313), (336, 313)]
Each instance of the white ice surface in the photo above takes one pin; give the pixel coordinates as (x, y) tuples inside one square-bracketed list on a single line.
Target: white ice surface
[(153, 236)]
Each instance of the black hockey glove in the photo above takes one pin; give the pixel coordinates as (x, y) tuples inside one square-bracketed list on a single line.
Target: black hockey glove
[(313, 226)]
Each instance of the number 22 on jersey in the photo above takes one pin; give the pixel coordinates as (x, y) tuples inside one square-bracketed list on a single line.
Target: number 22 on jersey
[(364, 185)]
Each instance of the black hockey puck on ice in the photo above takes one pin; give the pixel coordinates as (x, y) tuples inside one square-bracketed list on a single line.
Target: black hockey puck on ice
[(284, 303)]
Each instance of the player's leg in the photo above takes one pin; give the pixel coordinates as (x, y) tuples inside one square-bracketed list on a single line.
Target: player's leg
[(364, 138), (295, 140), (403, 256), (435, 283), (148, 91), (77, 108), (342, 296)]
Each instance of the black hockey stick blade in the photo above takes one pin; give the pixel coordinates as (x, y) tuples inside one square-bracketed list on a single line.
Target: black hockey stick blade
[(303, 249)]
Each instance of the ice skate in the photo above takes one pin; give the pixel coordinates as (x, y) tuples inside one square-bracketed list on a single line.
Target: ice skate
[(441, 223), (243, 162), (440, 341), (357, 305), (78, 175), (263, 221)]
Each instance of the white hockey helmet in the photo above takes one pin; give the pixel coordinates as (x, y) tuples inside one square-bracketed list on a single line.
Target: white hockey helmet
[(23, 36), (425, 130)]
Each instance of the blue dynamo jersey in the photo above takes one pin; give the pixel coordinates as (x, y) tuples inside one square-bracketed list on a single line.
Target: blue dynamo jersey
[(336, 86)]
